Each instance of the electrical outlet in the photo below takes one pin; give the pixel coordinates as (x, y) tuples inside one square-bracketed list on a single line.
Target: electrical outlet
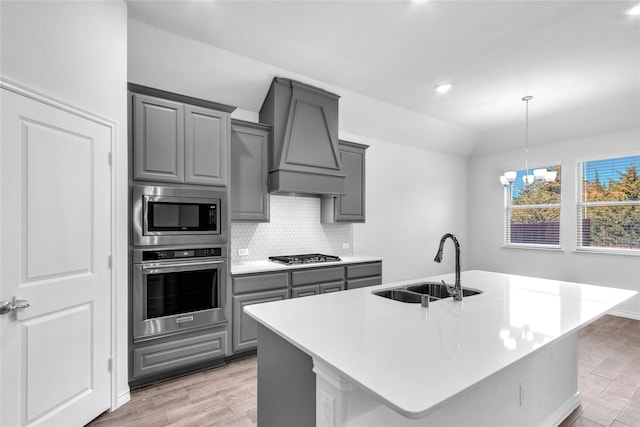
[(345, 246), (523, 393), (243, 252), (328, 410)]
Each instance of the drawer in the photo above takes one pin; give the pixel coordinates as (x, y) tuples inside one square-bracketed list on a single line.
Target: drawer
[(356, 271), (325, 288), (317, 275), (366, 281), (260, 282), (157, 358), (305, 291)]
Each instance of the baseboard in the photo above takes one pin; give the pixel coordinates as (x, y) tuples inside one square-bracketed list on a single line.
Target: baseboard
[(122, 399), (563, 411), (625, 313)]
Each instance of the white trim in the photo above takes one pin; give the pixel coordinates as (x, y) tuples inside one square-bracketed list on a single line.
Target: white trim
[(563, 411), (20, 89), (609, 203), (332, 377), (550, 248), (550, 205), (23, 90), (624, 313), (605, 251), (121, 400), (607, 156)]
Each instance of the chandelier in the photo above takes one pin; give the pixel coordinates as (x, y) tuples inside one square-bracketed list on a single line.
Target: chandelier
[(541, 174)]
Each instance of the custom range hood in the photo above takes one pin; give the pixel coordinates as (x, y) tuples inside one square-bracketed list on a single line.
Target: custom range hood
[(303, 153)]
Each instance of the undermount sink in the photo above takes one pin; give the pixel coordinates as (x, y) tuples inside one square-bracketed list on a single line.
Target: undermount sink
[(400, 294), (438, 290), (413, 293)]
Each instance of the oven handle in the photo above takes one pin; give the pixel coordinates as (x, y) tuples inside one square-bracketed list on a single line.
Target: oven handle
[(146, 268)]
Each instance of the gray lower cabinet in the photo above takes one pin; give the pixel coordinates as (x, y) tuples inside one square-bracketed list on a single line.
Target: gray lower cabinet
[(253, 289), (178, 353), (257, 288), (362, 275), (316, 281), (349, 207), (249, 190), (322, 288)]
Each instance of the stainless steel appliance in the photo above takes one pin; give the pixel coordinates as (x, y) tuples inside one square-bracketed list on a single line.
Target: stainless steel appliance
[(178, 216), (303, 259), (177, 290)]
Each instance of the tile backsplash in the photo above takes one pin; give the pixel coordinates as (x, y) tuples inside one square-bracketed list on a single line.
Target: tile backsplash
[(295, 228)]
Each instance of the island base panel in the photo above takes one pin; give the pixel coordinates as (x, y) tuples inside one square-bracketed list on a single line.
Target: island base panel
[(286, 383)]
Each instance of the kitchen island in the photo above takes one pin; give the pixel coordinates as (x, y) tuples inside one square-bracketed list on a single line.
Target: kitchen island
[(507, 356)]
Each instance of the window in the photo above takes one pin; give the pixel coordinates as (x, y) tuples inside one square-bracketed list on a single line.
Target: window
[(609, 204), (532, 213)]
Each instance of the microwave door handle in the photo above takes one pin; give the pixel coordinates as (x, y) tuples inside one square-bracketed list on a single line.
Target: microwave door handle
[(157, 266)]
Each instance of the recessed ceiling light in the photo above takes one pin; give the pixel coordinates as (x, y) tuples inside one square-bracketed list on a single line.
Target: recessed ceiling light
[(443, 88), (634, 10)]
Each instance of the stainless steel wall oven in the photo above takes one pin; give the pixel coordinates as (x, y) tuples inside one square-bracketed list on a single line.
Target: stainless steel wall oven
[(177, 290)]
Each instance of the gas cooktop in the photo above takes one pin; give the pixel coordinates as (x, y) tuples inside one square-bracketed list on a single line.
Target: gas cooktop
[(304, 259)]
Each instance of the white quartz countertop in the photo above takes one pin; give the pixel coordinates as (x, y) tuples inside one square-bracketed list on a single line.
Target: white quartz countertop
[(270, 266), (414, 358)]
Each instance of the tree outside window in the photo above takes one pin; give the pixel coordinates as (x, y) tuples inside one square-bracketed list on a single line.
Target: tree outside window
[(609, 203), (532, 212)]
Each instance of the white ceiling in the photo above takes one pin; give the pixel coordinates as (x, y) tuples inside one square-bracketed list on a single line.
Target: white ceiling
[(579, 59)]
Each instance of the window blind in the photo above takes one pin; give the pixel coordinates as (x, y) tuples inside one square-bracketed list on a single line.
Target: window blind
[(532, 213), (608, 206)]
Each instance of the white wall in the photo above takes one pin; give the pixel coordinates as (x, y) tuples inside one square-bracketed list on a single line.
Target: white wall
[(168, 61), (76, 52), (414, 196), (486, 219)]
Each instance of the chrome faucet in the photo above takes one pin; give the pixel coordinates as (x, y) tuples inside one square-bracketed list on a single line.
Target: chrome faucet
[(456, 290)]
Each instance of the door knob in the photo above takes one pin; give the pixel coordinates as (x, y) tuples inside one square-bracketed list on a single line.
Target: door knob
[(8, 306)]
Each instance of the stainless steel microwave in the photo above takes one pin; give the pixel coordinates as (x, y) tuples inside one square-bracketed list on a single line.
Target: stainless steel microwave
[(178, 216)]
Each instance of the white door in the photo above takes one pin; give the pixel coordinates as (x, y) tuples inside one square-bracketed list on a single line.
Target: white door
[(55, 226)]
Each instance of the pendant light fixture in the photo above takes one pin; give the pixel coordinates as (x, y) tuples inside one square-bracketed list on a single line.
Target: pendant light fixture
[(541, 174)]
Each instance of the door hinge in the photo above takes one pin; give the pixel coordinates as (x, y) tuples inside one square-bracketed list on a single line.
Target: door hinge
[(110, 158), (110, 364), (110, 261)]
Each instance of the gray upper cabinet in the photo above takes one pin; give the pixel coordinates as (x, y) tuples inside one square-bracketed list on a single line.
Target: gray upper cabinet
[(179, 142), (158, 139), (349, 207), (249, 186), (206, 146)]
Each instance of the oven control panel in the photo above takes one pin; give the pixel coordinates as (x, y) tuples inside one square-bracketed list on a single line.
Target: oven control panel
[(169, 254)]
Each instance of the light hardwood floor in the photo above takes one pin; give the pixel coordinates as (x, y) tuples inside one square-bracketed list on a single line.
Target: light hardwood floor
[(608, 379)]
